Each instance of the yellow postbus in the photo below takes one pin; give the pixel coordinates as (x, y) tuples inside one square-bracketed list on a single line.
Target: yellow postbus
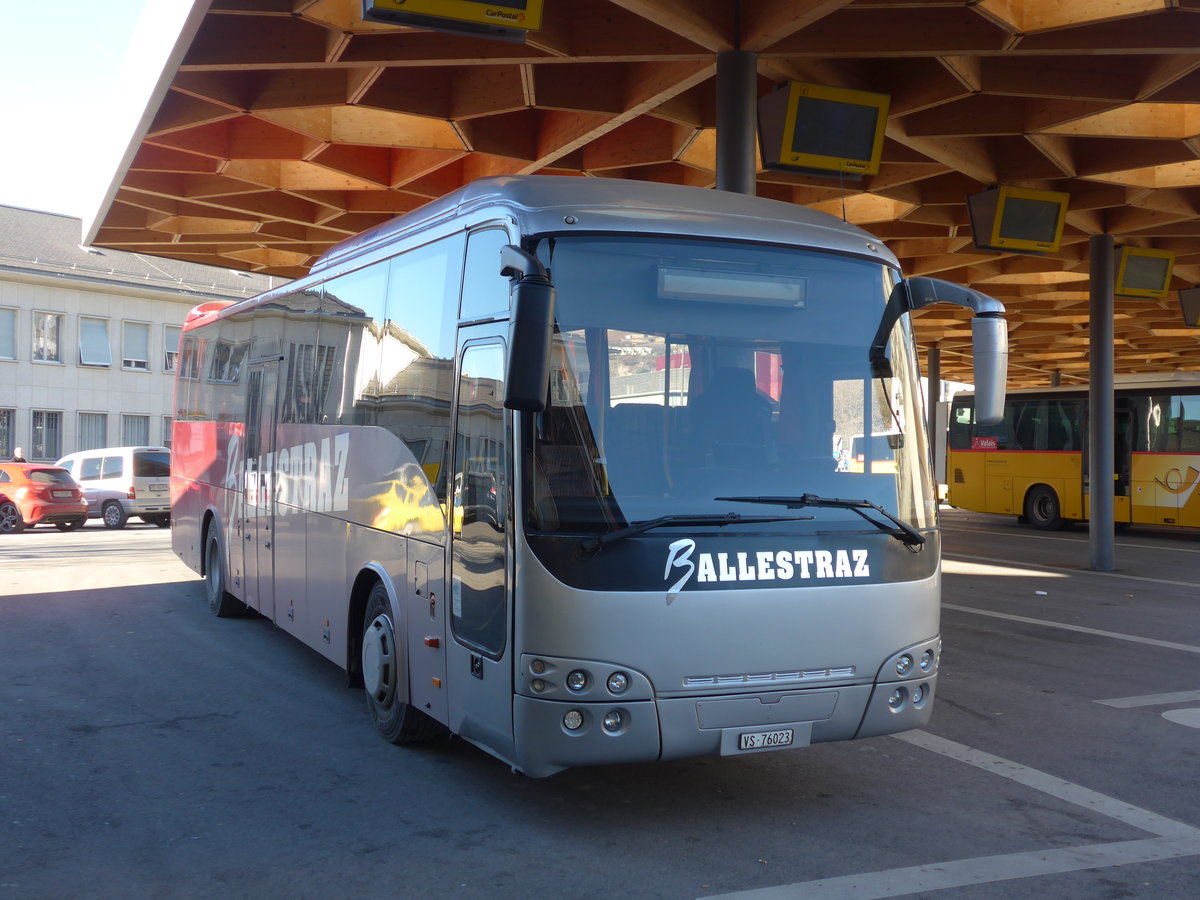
[(1034, 464)]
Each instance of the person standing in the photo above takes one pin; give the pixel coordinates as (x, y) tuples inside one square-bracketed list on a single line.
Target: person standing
[(19, 455)]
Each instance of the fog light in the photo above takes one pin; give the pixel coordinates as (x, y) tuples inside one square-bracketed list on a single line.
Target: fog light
[(618, 683), (538, 685), (897, 699), (918, 695), (927, 659), (577, 680), (904, 665), (613, 720), (537, 667), (573, 720)]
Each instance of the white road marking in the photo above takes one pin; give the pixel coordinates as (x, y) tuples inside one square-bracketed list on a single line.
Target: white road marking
[(1152, 699), (1043, 536), (1188, 717), (1012, 563), (1171, 840), (1115, 635)]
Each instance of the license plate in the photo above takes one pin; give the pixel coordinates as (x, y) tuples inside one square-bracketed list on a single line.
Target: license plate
[(762, 739), (158, 487), (62, 494)]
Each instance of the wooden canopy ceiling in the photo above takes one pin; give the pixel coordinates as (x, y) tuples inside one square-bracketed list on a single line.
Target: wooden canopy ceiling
[(289, 125)]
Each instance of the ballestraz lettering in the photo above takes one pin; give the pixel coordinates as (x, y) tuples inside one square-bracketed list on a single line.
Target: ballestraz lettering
[(762, 566)]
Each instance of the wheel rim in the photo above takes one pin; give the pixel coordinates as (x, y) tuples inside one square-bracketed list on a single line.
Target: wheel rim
[(112, 514), (212, 572), (8, 517), (379, 661)]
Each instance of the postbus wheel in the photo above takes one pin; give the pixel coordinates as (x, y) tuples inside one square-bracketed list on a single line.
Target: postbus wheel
[(220, 602), (1043, 510), (382, 658)]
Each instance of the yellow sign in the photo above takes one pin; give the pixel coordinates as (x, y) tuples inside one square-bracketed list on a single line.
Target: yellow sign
[(511, 15)]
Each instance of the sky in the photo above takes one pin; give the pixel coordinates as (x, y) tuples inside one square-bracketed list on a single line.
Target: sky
[(75, 77)]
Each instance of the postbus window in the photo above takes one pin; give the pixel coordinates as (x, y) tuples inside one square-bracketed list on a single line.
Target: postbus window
[(485, 291), (1189, 423)]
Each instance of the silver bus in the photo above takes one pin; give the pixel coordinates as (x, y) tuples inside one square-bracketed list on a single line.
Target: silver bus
[(550, 464)]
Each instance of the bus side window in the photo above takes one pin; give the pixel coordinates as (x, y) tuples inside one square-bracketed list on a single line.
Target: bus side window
[(485, 290), (960, 426)]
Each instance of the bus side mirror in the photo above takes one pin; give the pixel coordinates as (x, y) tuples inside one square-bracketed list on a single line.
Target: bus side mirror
[(530, 332), (989, 349), (989, 337)]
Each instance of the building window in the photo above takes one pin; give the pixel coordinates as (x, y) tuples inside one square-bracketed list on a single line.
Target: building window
[(7, 423), (135, 431), (135, 353), (8, 334), (47, 334), (166, 434), (47, 435), (94, 349), (93, 431), (171, 347)]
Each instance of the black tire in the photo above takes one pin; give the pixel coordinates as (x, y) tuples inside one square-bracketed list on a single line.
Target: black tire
[(222, 603), (10, 518), (73, 525), (1043, 509), (382, 664), (113, 515)]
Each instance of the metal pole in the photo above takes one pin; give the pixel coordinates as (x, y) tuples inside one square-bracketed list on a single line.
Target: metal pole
[(934, 395), (737, 120), (1101, 465)]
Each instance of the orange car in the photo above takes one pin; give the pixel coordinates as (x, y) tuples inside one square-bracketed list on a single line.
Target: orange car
[(35, 494)]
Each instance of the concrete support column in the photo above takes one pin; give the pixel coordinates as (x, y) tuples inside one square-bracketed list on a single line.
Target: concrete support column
[(737, 120), (1101, 463)]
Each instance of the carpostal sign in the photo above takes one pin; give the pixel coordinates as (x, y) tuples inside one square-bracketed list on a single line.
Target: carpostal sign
[(525, 15)]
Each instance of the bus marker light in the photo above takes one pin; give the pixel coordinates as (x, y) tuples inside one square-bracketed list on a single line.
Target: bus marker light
[(573, 720), (538, 685), (537, 667)]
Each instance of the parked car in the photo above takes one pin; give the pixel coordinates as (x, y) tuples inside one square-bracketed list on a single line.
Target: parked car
[(39, 494), (120, 482)]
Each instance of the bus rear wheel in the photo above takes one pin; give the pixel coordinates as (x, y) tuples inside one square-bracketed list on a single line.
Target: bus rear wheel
[(382, 662), (1043, 510), (222, 604)]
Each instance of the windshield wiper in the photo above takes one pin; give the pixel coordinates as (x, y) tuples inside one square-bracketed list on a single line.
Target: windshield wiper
[(591, 546), (903, 532)]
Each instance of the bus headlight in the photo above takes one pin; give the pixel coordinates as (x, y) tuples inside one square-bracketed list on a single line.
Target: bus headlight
[(618, 683), (613, 720), (577, 680), (904, 665), (927, 660), (897, 698)]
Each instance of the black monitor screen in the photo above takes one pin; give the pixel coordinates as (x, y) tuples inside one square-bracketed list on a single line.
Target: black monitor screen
[(1145, 273), (831, 128), (1029, 220)]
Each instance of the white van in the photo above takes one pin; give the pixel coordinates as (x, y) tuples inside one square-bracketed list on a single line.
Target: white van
[(120, 482)]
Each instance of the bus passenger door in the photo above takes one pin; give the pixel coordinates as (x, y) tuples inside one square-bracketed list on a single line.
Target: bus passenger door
[(1122, 474), (258, 513), (479, 657)]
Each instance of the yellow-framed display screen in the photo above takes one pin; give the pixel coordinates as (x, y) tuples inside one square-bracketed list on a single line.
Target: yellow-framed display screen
[(1144, 273), (522, 15), (831, 128), (1028, 220)]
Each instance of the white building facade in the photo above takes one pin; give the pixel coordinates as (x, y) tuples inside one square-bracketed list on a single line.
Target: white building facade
[(89, 339)]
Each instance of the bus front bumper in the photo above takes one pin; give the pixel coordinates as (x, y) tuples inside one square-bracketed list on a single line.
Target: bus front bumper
[(648, 730)]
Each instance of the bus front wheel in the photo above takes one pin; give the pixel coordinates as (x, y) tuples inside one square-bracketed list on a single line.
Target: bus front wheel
[(1043, 510), (382, 659)]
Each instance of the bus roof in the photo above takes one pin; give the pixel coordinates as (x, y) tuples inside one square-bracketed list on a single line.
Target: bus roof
[(543, 204)]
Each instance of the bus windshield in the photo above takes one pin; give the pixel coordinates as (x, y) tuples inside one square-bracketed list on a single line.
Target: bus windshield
[(687, 371)]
